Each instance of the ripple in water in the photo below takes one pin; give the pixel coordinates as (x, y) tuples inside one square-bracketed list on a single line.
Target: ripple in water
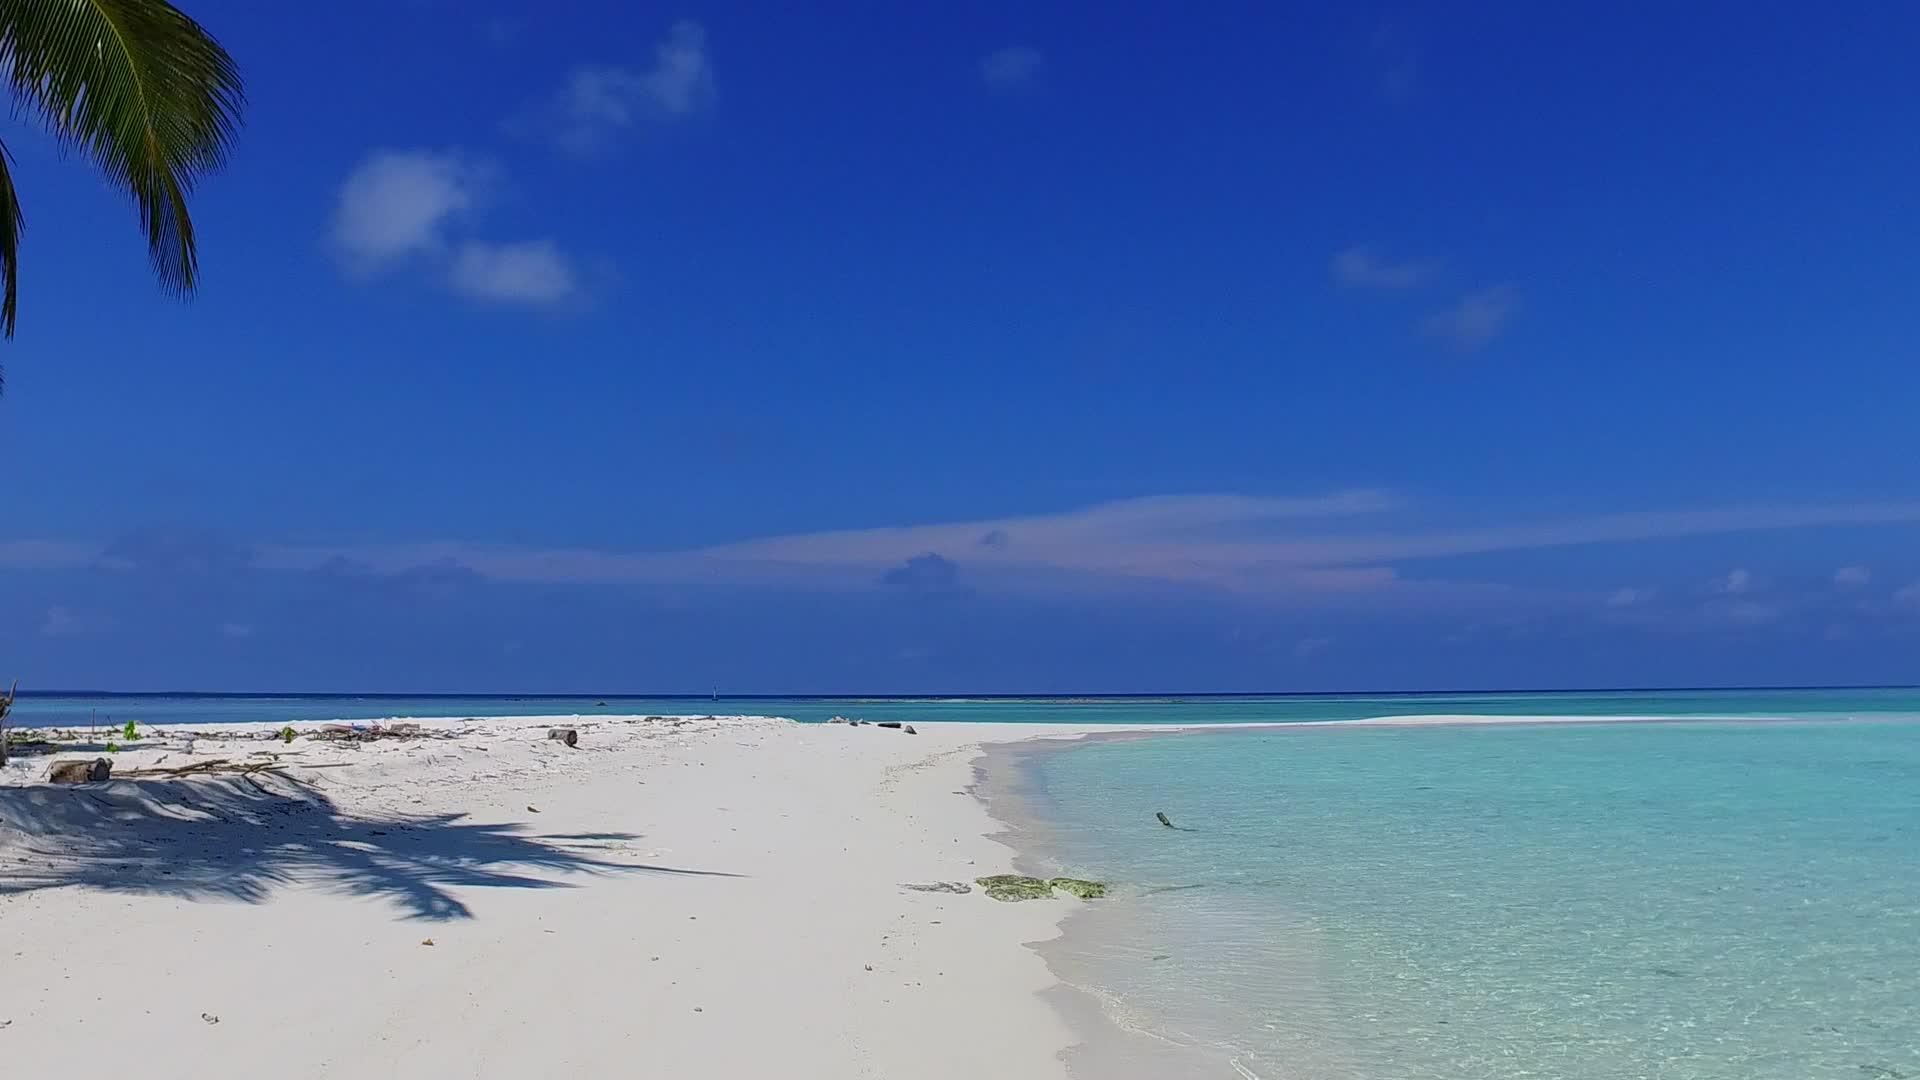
[(1691, 901)]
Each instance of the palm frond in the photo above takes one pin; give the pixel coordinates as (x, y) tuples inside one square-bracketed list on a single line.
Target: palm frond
[(140, 88), (10, 222)]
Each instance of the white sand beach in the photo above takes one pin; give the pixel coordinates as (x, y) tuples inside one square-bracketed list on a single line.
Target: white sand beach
[(714, 897)]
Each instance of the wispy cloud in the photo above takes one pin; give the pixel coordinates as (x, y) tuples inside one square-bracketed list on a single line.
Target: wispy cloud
[(1249, 544), (1350, 550), (1471, 324), (1010, 68), (1852, 577), (1363, 268), (533, 273), (1735, 583), (398, 204), (1745, 612), (600, 103), (405, 208), (47, 554)]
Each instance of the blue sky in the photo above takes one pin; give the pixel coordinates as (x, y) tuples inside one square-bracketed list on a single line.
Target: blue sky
[(1001, 348)]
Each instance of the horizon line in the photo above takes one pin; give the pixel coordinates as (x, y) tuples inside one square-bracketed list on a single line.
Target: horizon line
[(950, 696)]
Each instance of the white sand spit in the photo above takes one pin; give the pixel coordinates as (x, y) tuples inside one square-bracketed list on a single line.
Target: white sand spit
[(700, 897)]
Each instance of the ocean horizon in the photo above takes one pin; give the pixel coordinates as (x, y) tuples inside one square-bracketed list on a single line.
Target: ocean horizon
[(68, 708)]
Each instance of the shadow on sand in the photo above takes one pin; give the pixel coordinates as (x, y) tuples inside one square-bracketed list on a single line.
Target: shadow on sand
[(240, 837)]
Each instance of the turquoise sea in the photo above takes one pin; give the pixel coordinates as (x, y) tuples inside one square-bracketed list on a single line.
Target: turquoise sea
[(1693, 900), (1732, 894)]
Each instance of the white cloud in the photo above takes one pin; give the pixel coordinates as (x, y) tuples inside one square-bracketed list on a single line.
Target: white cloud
[(599, 102), (399, 203), (681, 79), (1852, 577), (1320, 546), (46, 554), (1362, 267), (1475, 321), (533, 272), (1013, 66), (1746, 611), (414, 209), (1736, 583), (1346, 550)]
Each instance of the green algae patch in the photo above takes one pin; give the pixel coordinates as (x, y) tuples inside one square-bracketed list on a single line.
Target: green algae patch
[(1021, 887), (1080, 887), (1015, 887)]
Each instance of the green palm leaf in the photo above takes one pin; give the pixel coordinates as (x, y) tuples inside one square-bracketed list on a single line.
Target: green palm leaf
[(138, 87), (10, 222)]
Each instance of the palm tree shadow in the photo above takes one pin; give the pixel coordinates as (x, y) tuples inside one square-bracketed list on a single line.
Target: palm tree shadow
[(242, 837)]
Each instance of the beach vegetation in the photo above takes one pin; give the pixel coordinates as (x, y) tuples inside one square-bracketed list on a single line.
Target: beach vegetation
[(140, 90)]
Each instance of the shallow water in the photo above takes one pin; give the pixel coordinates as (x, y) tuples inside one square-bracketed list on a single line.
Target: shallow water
[(1695, 900)]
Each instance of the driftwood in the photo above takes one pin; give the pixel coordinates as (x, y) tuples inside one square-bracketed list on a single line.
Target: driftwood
[(564, 734), (372, 732), (203, 768), (80, 772)]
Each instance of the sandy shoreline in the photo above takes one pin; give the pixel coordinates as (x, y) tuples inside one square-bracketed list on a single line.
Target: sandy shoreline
[(693, 896)]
